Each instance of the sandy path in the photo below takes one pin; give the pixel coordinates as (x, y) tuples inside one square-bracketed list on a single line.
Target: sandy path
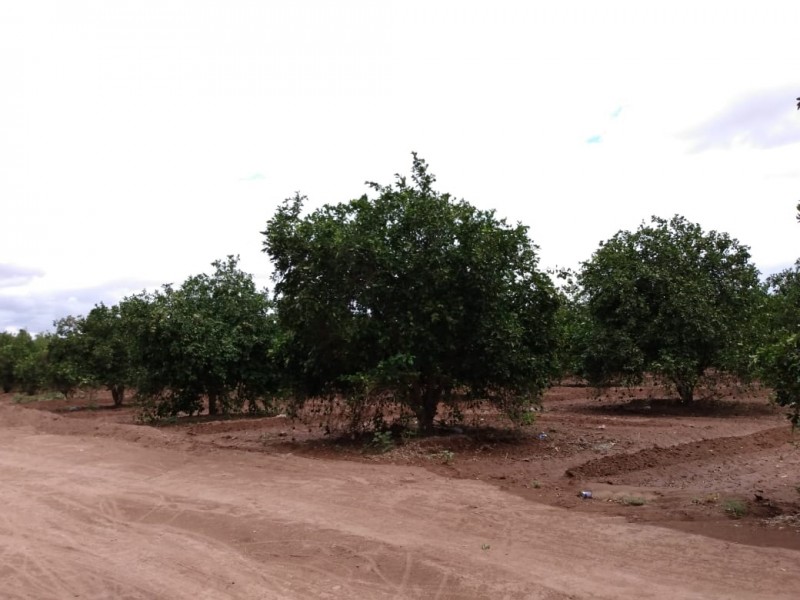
[(97, 517)]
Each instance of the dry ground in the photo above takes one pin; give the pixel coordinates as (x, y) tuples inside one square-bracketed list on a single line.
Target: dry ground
[(97, 507)]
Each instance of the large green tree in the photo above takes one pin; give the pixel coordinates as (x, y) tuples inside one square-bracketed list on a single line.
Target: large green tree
[(668, 299), (23, 361), (29, 355), (574, 325), (66, 365), (92, 350), (209, 339), (779, 363), (7, 361), (106, 351), (779, 358), (412, 296), (783, 307)]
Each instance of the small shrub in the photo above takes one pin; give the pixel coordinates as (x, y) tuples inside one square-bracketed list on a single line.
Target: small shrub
[(382, 442), (634, 501), (535, 484), (735, 509), (408, 434), (445, 456), (526, 419), (150, 418)]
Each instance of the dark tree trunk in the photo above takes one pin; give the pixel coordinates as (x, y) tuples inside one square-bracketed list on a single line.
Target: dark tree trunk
[(426, 404), (212, 404), (685, 391), (118, 394)]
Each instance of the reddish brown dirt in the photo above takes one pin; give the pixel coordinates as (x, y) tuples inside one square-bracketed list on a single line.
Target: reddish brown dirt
[(97, 507)]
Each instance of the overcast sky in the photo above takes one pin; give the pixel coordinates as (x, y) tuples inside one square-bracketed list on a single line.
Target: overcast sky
[(141, 140)]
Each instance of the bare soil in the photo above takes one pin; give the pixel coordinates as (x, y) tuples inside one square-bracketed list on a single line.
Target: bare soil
[(688, 501)]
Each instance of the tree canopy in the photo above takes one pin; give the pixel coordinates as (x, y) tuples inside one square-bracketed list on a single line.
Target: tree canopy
[(784, 305), (779, 356), (209, 339), (669, 299), (412, 296), (107, 349), (8, 359), (66, 364), (23, 362)]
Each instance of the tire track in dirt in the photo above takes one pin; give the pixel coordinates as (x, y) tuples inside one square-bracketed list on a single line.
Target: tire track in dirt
[(104, 523), (651, 458), (151, 519)]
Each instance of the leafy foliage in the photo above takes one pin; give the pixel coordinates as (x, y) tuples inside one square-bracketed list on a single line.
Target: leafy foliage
[(668, 299), (211, 338), (7, 361), (65, 356), (574, 326), (92, 350), (30, 364), (784, 300), (413, 298), (29, 355), (107, 349), (779, 358), (780, 369)]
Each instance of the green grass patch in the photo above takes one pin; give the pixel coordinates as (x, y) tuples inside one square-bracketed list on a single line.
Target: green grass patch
[(381, 442), (43, 397), (736, 509), (445, 456)]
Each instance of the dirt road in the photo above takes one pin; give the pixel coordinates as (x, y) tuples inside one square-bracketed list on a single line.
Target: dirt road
[(92, 514)]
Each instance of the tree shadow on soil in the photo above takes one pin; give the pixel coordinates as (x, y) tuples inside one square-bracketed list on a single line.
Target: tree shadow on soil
[(90, 407), (442, 439), (673, 407)]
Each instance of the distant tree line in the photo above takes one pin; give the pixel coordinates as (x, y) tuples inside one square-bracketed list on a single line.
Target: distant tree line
[(416, 304)]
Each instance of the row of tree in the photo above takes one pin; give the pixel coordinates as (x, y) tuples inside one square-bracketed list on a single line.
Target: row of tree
[(419, 301), (209, 341)]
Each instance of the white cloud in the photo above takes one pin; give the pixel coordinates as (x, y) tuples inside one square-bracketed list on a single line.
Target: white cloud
[(35, 310), (760, 119), (16, 275)]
